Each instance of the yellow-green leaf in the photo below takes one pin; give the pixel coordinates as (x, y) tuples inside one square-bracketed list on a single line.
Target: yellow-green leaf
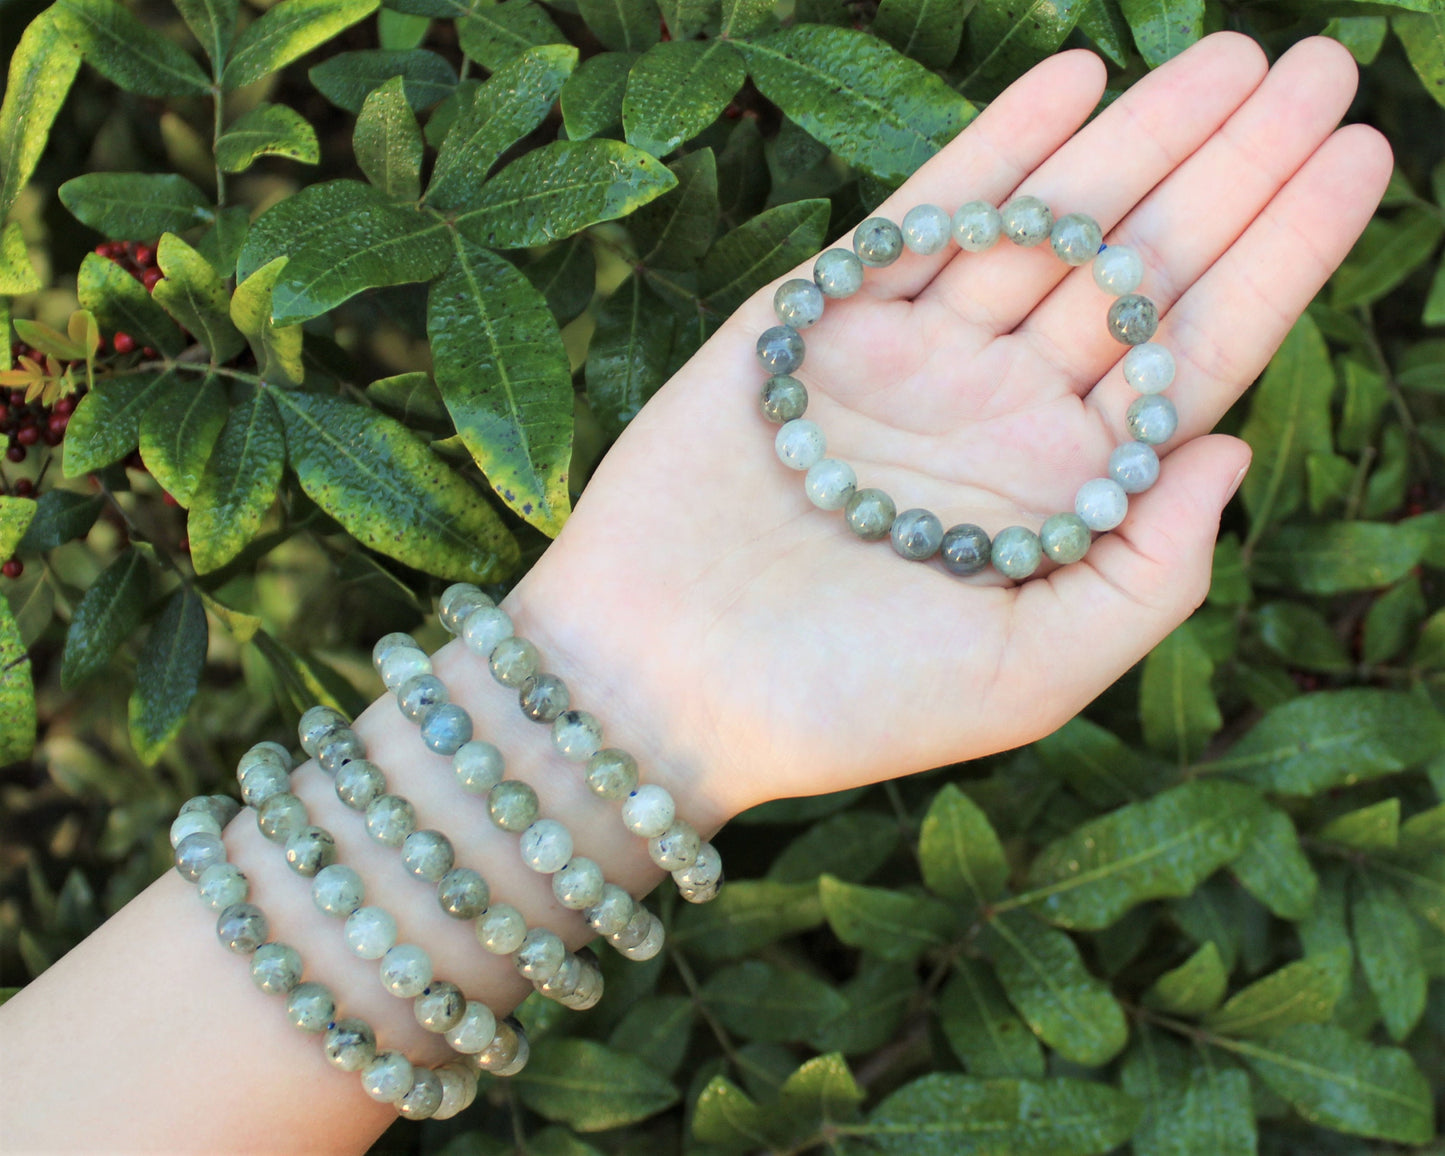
[(286, 32), (179, 430), (277, 347), (1194, 987), (239, 484), (130, 53), (1303, 992), (17, 693), (388, 142), (42, 69), (268, 130), (193, 293), (106, 424)]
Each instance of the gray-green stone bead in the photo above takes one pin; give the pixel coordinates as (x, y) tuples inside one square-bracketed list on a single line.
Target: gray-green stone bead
[(503, 1049), (242, 928), (784, 398), (276, 968), (221, 885), (261, 781), (358, 783), (340, 749), (965, 549), (611, 774), (1065, 538), (388, 1077), (512, 805), (478, 766), (579, 884), (611, 913), (396, 640), (926, 229), (370, 932), (474, 1031), (425, 1097), (405, 970), (281, 816), (519, 1059), (196, 852), (194, 822), (440, 1006), (309, 850), (418, 693), (1118, 270), (317, 725), (1027, 221), (287, 757), (706, 869), (916, 534), (462, 893), (540, 955), (878, 242), (1135, 466), (1076, 238), (485, 628), (390, 819), (577, 735), (445, 727), (349, 1045), (458, 1090), (798, 303), (428, 854), (543, 697), (1133, 319), (838, 273), (1016, 552), (1151, 419), (513, 660), (1149, 368), (222, 807), (310, 1007), (270, 754), (781, 349), (870, 514), (337, 890), (830, 483), (635, 931), (676, 848), (501, 929), (1102, 503), (457, 602), (401, 663), (649, 810), (800, 444), (977, 226), (546, 846)]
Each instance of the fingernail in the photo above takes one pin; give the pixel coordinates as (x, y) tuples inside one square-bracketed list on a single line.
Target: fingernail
[(1234, 485)]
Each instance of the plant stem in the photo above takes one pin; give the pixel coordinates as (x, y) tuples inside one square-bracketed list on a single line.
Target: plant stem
[(217, 124)]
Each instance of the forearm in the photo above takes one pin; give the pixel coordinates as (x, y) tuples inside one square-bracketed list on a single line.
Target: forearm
[(162, 1030)]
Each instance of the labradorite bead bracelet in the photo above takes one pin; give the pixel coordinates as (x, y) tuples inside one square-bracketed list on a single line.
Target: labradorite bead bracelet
[(1100, 504)]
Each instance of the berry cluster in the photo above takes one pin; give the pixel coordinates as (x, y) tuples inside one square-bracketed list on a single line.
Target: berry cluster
[(139, 260), (27, 424)]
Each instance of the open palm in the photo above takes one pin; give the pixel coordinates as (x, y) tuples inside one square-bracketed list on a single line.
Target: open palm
[(720, 614)]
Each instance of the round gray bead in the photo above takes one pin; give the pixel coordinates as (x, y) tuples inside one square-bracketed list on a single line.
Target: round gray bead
[(370, 932), (1118, 270), (965, 549), (425, 1097), (513, 660), (276, 968), (390, 819), (484, 628), (440, 1006), (870, 514), (339, 749), (1135, 466), (261, 781), (406, 970), (800, 444), (1016, 552), (1027, 221), (337, 890), (926, 229), (512, 805), (1102, 503), (221, 885), (445, 727), (577, 735), (977, 226), (242, 928), (1151, 419), (676, 848), (401, 662), (349, 1045), (798, 303), (474, 1030), (309, 850), (418, 693), (501, 929), (504, 1049), (1065, 538), (916, 534), (281, 816), (458, 601), (1149, 368), (192, 822), (271, 754), (544, 697), (838, 273), (578, 884), (310, 1007), (612, 912), (781, 349), (388, 1078), (396, 640), (830, 483), (546, 846), (611, 774), (878, 242), (462, 893), (478, 766), (1076, 238), (784, 398), (196, 852), (317, 725), (1133, 319), (540, 955), (222, 808), (428, 854), (358, 783)]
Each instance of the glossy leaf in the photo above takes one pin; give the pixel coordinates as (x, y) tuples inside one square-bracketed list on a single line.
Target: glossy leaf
[(1372, 828), (193, 293), (982, 1029), (878, 110), (121, 303), (127, 52), (413, 397), (106, 424), (42, 68), (17, 693), (958, 850), (677, 229), (1194, 1105), (746, 915), (1176, 702), (60, 516), (1006, 37), (503, 373), (765, 247), (928, 31), (892, 925), (168, 674), (1423, 35), (348, 78), (268, 130), (1163, 28), (686, 18), (728, 1118), (286, 32), (1387, 253), (676, 89), (590, 1086), (1103, 23), (492, 34), (656, 1029), (178, 431), (239, 483), (622, 25), (850, 846), (592, 96), (16, 514), (388, 142), (1387, 944), (17, 271), (566, 275), (213, 22), (277, 347), (221, 243), (759, 1001), (1194, 987), (1302, 636), (878, 997), (628, 355), (1303, 992), (108, 614), (1337, 557), (1098, 764), (135, 206), (1274, 869), (291, 224)]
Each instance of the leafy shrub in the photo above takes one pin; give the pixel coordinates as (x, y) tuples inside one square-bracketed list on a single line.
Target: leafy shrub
[(1205, 917)]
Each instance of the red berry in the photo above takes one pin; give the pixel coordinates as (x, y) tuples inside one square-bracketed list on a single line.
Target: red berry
[(184, 545), (13, 568), (168, 498), (65, 405), (145, 255), (24, 487), (150, 277), (28, 435), (124, 343), (4, 413), (57, 422), (54, 439), (16, 453), (150, 351), (17, 398)]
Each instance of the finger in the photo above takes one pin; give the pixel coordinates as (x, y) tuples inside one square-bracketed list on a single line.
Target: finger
[(1185, 224), (1104, 171), (1224, 330)]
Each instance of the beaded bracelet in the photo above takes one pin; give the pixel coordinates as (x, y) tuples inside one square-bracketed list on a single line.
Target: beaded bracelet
[(918, 534), (648, 810), (349, 1044)]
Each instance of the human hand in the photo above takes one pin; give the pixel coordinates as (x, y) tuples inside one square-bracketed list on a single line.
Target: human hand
[(745, 632)]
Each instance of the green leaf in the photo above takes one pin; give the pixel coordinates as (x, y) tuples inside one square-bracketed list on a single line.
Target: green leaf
[(760, 1001), (213, 22), (348, 78), (656, 1029), (17, 693), (561, 189), (17, 271), (592, 96), (105, 617), (1338, 557), (851, 846), (1372, 828), (881, 112), (1434, 311), (268, 130), (1362, 35), (676, 89), (889, 924), (1176, 702), (1423, 833), (1103, 23), (755, 253), (982, 1029), (1387, 944), (1336, 1081), (1366, 396), (960, 854), (589, 1086), (492, 34), (127, 52), (1098, 764), (1044, 977), (566, 275), (221, 243), (1165, 847), (1302, 636), (60, 516), (239, 484), (168, 674), (1289, 418), (16, 514), (943, 1114), (686, 18), (675, 230), (388, 143), (106, 424), (1192, 1105), (627, 357), (397, 30), (1423, 35), (747, 915), (511, 104), (1387, 252), (622, 25), (291, 224), (178, 431), (503, 373), (1194, 987), (135, 206), (729, 1118), (1302, 992), (1006, 37), (928, 31), (1163, 28), (277, 347), (413, 397), (121, 304), (193, 293), (42, 69), (1333, 738), (1274, 869), (288, 31), (879, 997)]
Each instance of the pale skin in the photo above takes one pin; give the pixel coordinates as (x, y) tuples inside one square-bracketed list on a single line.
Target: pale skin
[(743, 645)]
